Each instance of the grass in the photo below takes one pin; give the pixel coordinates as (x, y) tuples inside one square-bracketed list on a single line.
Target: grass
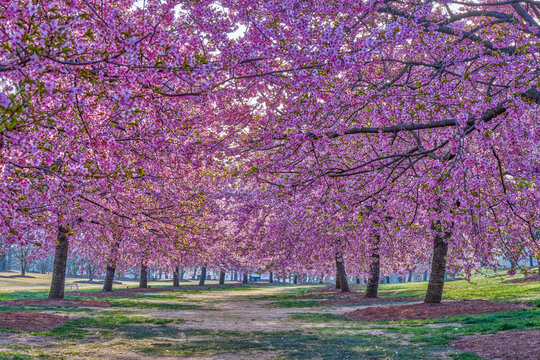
[(132, 327), (11, 282), (38, 308), (289, 344), (151, 305), (488, 288), (526, 319), (77, 328)]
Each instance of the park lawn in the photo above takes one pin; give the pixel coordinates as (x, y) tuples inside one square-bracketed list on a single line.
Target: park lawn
[(11, 281), (264, 322), (480, 287)]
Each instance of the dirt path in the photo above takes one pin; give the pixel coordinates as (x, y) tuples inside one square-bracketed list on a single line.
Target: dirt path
[(244, 311)]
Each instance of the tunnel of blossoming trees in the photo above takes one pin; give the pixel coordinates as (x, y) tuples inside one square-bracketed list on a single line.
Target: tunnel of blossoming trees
[(342, 143)]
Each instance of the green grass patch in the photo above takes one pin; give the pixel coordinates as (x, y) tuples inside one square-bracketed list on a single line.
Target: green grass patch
[(291, 345), (487, 288), (526, 319), (23, 295), (151, 305), (296, 303), (40, 308), (319, 317), (9, 355), (466, 356), (76, 329)]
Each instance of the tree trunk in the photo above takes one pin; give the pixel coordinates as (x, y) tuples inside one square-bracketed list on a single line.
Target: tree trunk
[(245, 280), (143, 279), (438, 267), (176, 280), (23, 269), (203, 276), (194, 273), (109, 278), (90, 270), (295, 279), (410, 276), (338, 285), (222, 274), (321, 280), (387, 279), (373, 282), (2, 262), (342, 276), (58, 281), (271, 278), (358, 280)]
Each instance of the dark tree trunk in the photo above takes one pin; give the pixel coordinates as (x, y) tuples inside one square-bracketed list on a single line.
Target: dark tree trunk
[(410, 276), (425, 275), (109, 278), (176, 280), (271, 278), (90, 271), (373, 282), (295, 279), (194, 273), (338, 284), (222, 274), (358, 281), (23, 269), (245, 280), (3, 262), (321, 280), (203, 276), (58, 281), (143, 279), (438, 267), (342, 275), (387, 279)]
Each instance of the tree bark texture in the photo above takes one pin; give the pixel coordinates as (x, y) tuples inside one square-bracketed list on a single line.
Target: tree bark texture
[(58, 281)]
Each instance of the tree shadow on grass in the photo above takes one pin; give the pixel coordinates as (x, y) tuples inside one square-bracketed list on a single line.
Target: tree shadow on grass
[(290, 345)]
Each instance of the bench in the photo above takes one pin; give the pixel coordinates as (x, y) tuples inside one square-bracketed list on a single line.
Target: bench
[(76, 286)]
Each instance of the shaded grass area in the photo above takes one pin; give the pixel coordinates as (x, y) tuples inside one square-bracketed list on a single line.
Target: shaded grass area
[(77, 328), (152, 305), (527, 319), (10, 355), (289, 345), (37, 308)]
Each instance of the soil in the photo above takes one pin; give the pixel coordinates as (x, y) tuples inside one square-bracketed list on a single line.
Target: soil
[(56, 302), (30, 321), (365, 301), (423, 311), (530, 278), (504, 345), (25, 339)]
